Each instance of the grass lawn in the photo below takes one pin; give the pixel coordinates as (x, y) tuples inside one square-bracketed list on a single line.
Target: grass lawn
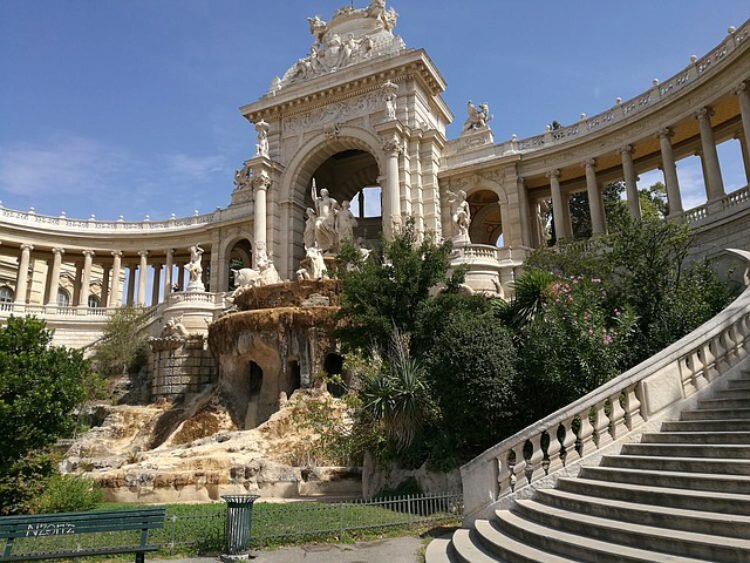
[(199, 528)]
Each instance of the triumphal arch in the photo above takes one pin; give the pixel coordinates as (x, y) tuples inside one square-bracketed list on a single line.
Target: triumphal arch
[(351, 144)]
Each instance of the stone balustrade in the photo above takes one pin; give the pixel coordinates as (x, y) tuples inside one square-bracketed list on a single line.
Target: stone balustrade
[(94, 226), (567, 437)]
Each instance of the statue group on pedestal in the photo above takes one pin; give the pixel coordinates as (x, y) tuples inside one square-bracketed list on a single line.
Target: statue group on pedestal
[(460, 215), (478, 117), (195, 269), (328, 224)]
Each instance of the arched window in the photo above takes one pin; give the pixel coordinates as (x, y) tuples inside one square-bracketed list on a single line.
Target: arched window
[(94, 302), (6, 294), (63, 298)]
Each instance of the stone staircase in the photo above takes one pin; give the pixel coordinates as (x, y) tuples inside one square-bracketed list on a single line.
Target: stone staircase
[(681, 494)]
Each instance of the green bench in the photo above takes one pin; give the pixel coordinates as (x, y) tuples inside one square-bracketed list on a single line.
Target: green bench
[(79, 534)]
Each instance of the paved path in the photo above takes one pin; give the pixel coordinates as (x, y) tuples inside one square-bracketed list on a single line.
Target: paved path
[(391, 550)]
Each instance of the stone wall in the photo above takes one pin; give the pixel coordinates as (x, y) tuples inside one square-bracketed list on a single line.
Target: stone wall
[(179, 366)]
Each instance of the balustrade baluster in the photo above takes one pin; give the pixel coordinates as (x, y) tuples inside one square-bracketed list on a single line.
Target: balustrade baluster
[(617, 426), (504, 474), (519, 468), (569, 442), (633, 416), (602, 437), (536, 460), (709, 361), (553, 451), (586, 442), (699, 370), (687, 375)]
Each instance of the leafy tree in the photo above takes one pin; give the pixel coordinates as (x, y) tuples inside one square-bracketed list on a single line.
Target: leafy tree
[(386, 292), (470, 359), (573, 346), (121, 349), (40, 385)]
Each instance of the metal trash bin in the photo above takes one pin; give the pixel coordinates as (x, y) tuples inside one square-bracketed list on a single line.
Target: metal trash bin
[(237, 526)]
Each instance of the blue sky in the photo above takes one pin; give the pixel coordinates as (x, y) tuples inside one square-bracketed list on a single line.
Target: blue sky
[(130, 107)]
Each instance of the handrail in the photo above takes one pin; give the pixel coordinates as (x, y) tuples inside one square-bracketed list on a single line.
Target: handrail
[(645, 390)]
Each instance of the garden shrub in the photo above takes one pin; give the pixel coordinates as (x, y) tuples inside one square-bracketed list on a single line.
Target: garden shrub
[(68, 493)]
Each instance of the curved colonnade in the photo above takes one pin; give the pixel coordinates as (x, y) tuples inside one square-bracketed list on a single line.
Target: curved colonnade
[(703, 105)]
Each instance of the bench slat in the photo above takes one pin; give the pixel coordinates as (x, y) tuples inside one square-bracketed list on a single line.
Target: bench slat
[(94, 514), (82, 553), (60, 529)]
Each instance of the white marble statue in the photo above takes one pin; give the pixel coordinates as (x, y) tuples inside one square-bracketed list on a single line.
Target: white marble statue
[(325, 219), (318, 28), (195, 269), (261, 149), (390, 91), (313, 266), (174, 329), (478, 117), (345, 223), (242, 177), (460, 215)]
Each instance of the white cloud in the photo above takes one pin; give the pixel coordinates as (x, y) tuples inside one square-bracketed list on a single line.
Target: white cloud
[(199, 168), (66, 166)]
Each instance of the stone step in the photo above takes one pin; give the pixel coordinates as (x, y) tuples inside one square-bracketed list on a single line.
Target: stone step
[(652, 538), (637, 512), (723, 403), (440, 550), (734, 393), (715, 466), (713, 501), (705, 425), (738, 484), (468, 549), (718, 437), (574, 546), (722, 451), (716, 414), (509, 549), (739, 384)]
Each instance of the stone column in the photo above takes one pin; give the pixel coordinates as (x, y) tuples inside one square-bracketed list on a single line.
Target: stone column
[(168, 266), (631, 187), (131, 284), (156, 284), (598, 226), (743, 95), (83, 297), (745, 155), (77, 284), (558, 214), (713, 180), (566, 220), (54, 276), (22, 276), (260, 184), (523, 209), (392, 215), (181, 276), (674, 199), (106, 272), (115, 291), (143, 266)]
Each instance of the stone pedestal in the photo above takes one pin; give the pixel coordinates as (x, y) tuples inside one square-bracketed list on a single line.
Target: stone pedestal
[(180, 366)]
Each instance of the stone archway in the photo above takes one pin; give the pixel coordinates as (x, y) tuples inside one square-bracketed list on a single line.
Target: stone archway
[(486, 217), (239, 254), (350, 143)]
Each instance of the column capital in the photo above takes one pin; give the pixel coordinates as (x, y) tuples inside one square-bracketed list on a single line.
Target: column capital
[(553, 173), (627, 149), (117, 253), (665, 132), (262, 181), (143, 253), (741, 87), (392, 145), (88, 253), (27, 247), (169, 252), (588, 163), (58, 250), (704, 113)]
